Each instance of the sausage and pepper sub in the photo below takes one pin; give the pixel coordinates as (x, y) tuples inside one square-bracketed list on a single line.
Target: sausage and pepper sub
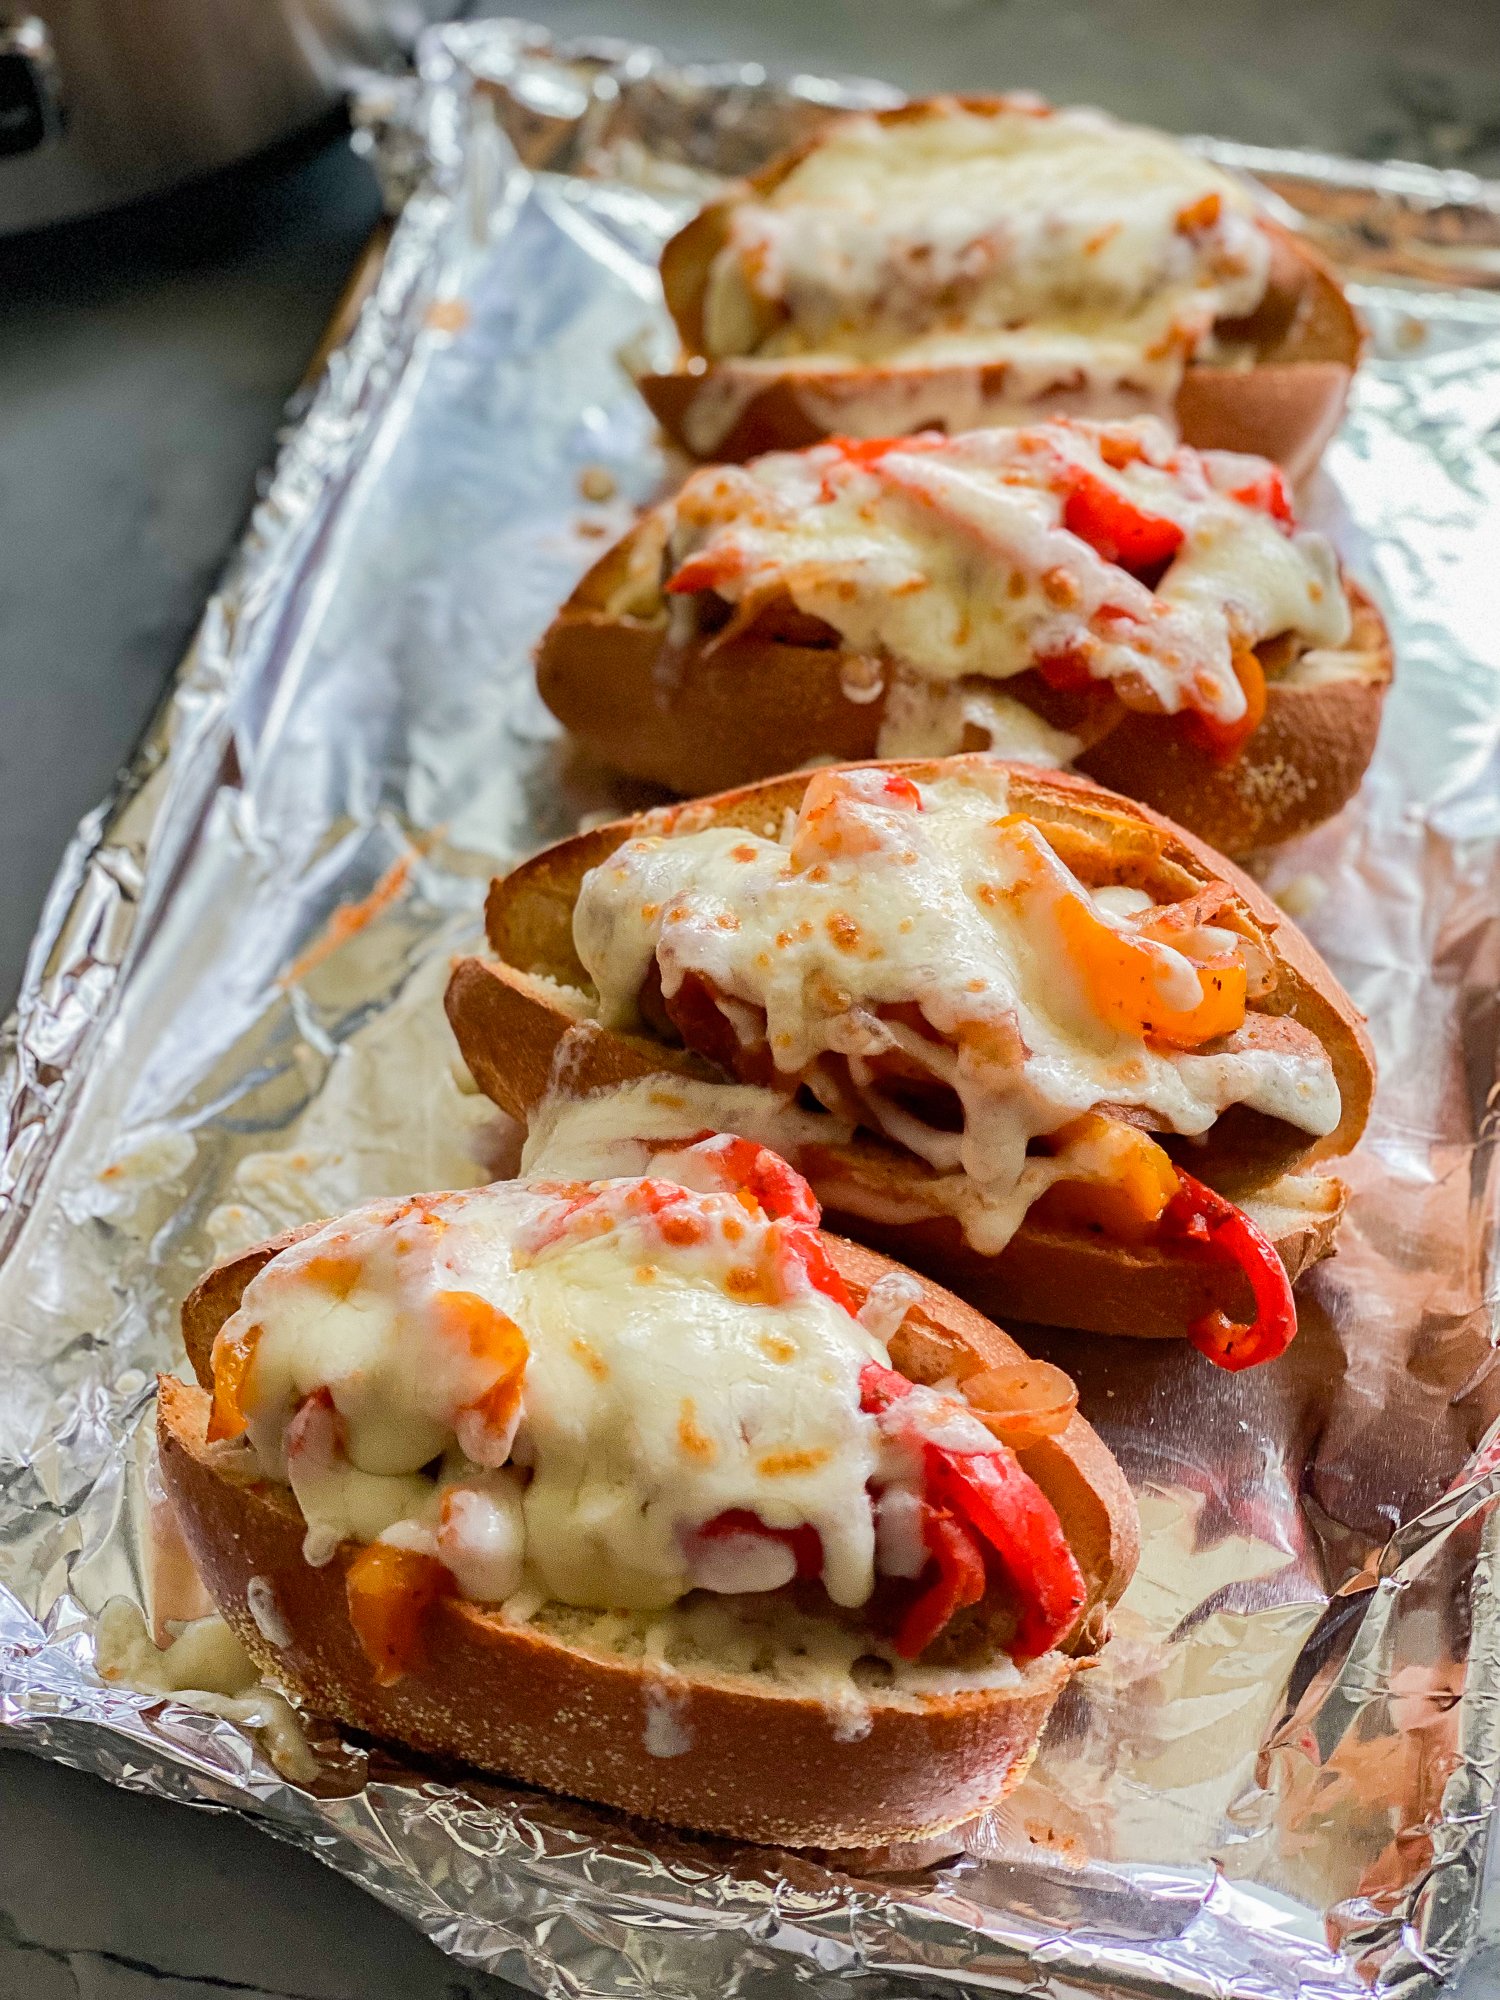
[(608, 1485)]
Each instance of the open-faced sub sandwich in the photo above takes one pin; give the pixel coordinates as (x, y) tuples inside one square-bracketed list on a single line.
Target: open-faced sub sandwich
[(976, 260), (645, 1490), (1017, 1031), (1069, 593)]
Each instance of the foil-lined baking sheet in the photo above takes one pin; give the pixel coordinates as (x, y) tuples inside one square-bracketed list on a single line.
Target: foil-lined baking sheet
[(1279, 1780)]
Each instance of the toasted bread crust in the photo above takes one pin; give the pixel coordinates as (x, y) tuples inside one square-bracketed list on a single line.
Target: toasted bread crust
[(1146, 1291), (511, 1026), (706, 717), (1286, 406), (515, 1699)]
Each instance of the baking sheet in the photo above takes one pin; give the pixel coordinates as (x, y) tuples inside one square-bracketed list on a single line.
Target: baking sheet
[(1279, 1780)]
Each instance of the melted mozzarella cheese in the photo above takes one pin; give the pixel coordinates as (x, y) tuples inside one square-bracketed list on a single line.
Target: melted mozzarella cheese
[(927, 908), (620, 1131), (1061, 243), (350, 1309), (925, 718), (950, 558), (654, 1398), (660, 1402)]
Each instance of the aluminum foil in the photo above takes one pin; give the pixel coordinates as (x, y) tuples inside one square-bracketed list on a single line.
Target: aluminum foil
[(1279, 1781)]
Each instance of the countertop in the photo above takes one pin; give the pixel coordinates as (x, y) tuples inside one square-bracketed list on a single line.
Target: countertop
[(145, 362)]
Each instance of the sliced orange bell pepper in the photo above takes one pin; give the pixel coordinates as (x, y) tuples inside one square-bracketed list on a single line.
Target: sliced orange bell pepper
[(493, 1338), (1131, 1182), (1115, 526), (232, 1358), (1123, 974), (1119, 449), (1200, 214), (336, 1271), (1223, 741), (489, 1334), (1123, 968), (390, 1593)]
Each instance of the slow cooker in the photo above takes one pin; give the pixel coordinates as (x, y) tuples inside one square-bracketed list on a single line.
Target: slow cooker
[(102, 101)]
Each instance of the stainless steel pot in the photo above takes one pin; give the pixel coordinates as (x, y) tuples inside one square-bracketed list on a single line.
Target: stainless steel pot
[(105, 100)]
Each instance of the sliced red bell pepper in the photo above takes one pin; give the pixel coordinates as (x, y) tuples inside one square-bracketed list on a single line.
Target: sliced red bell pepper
[(574, 1199), (879, 1387), (1268, 492), (798, 1244), (705, 1027), (805, 1543), (899, 787), (870, 451), (1113, 525), (1005, 1505), (755, 1170), (1227, 1233), (990, 1494), (678, 1217), (705, 569), (782, 1194), (586, 1213), (960, 1582), (792, 1244), (316, 1431), (1068, 672), (867, 453)]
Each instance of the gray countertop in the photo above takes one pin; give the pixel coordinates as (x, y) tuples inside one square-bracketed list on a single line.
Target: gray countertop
[(145, 361)]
